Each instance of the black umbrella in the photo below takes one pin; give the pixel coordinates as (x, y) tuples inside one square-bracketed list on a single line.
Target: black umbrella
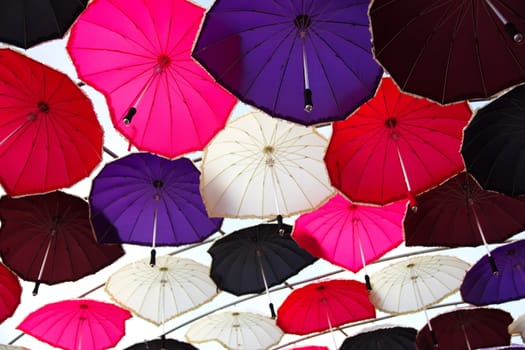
[(255, 258), (162, 344), (391, 338)]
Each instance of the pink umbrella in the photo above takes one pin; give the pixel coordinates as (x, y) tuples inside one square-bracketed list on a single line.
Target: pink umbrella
[(77, 324), (350, 235), (137, 53)]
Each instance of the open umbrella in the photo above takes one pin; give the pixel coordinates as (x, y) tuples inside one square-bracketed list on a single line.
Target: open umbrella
[(48, 238), (146, 199), (304, 61), (255, 258), (137, 53), (395, 146), (446, 51), (50, 137), (311, 347), (517, 327), (77, 324), (389, 338), (259, 166), (161, 344), (10, 293)]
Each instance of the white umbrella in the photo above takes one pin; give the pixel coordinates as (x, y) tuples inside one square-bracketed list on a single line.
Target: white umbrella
[(157, 294), (236, 330), (262, 167), (11, 347), (518, 327)]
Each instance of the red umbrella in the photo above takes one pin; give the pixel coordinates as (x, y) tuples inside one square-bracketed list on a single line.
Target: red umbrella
[(137, 53), (49, 134), (77, 324), (395, 146), (10, 293)]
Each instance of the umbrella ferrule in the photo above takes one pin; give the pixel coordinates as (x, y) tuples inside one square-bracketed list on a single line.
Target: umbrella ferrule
[(516, 35), (129, 116)]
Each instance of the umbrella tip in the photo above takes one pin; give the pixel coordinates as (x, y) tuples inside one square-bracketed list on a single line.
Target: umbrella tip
[(308, 102)]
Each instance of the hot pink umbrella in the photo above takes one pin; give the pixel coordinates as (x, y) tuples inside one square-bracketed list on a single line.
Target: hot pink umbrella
[(77, 324), (137, 53), (350, 235)]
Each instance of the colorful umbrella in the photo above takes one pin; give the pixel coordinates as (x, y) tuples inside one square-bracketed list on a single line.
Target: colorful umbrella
[(481, 286), (350, 235), (446, 51), (261, 167), (137, 54), (304, 61), (236, 331), (517, 327), (77, 324), (174, 286), (395, 146), (149, 200), (311, 347), (161, 344), (465, 329), (10, 293), (323, 305), (31, 22), (48, 238), (390, 338), (49, 134)]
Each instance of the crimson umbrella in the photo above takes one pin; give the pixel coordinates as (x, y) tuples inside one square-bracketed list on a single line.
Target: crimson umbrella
[(446, 50), (137, 53), (10, 293), (49, 134), (395, 146), (385, 338)]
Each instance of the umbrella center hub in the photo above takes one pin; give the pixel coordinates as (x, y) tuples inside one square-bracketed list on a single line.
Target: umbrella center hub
[(391, 123), (302, 22), (163, 62), (42, 107), (158, 183), (268, 151)]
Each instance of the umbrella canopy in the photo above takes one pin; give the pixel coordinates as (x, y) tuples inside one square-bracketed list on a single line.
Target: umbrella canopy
[(261, 167), (416, 283), (391, 338), (481, 286), (174, 286), (31, 22), (465, 329), (517, 327), (50, 137), (492, 144), (311, 347), (395, 146), (304, 61), (48, 238), (137, 54), (323, 305), (161, 344), (9, 347), (236, 331), (10, 293), (149, 200), (77, 324), (453, 46)]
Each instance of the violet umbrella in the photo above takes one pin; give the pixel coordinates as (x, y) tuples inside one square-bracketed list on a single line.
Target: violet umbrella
[(146, 199)]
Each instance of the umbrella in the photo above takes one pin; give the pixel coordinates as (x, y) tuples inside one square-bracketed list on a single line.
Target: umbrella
[(77, 324), (481, 286), (320, 306), (137, 53), (311, 347), (48, 238), (255, 258), (174, 286), (9, 347), (260, 167), (149, 200), (517, 327), (350, 235), (465, 329), (395, 146), (445, 50), (10, 293), (236, 330), (391, 338), (492, 144), (31, 22), (161, 344), (49, 134), (307, 62)]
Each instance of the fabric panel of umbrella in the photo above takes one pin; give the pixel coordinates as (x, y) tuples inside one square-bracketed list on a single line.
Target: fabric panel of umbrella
[(253, 259), (146, 199), (138, 55), (162, 344), (50, 137), (48, 238), (388, 338), (304, 61), (350, 235), (10, 293), (395, 146), (262, 167), (517, 327), (452, 45)]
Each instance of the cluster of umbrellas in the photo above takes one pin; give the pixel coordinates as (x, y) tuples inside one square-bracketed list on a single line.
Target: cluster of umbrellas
[(359, 140)]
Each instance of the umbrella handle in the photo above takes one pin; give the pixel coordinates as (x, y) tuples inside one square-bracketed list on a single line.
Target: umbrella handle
[(127, 118), (280, 229), (272, 311), (368, 284), (308, 102), (152, 259), (511, 29), (493, 265), (37, 285), (434, 338)]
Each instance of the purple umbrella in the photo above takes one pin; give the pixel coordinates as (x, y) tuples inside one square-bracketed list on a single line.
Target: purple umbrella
[(483, 287), (145, 199), (301, 60)]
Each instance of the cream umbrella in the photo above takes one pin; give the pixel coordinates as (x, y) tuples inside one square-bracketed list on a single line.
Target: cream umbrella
[(517, 327)]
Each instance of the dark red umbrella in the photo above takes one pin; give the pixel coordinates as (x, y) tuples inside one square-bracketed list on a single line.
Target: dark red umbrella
[(10, 292), (48, 238)]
